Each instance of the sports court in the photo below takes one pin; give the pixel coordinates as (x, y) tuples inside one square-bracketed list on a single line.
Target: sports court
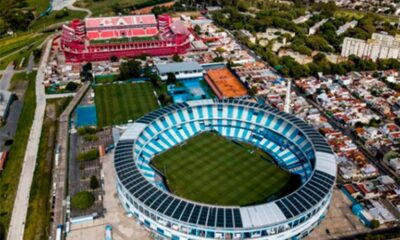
[(225, 84), (86, 116)]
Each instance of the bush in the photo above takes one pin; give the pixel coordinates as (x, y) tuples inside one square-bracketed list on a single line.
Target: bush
[(94, 183), (375, 224), (2, 232), (90, 137), (61, 14), (71, 86), (82, 200), (87, 130), (89, 155)]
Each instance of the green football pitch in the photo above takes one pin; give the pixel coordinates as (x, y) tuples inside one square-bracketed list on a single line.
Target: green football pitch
[(119, 103), (210, 168)]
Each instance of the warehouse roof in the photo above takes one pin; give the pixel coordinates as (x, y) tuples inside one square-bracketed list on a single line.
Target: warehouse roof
[(178, 67)]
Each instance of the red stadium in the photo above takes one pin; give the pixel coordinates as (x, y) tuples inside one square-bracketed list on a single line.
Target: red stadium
[(104, 38)]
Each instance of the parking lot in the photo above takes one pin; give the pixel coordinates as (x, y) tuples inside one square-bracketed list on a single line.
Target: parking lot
[(124, 227), (340, 221)]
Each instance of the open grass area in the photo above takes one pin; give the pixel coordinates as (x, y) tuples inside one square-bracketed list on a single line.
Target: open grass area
[(9, 178), (43, 23), (39, 5), (124, 40), (21, 56), (106, 8), (350, 13), (38, 218), (210, 168), (11, 44), (120, 102)]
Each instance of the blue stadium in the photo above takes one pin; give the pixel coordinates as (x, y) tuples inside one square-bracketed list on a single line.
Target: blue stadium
[(294, 145)]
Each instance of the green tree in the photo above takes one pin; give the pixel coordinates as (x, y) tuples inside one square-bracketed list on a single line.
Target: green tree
[(37, 52), (82, 200), (94, 182), (176, 58), (2, 232), (71, 86), (218, 59), (129, 69), (375, 224), (171, 78), (197, 29), (253, 91), (88, 155)]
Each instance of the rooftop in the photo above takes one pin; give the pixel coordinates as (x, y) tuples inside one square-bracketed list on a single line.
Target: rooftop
[(178, 67), (131, 20)]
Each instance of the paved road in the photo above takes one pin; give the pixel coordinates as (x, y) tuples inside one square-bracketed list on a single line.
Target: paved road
[(60, 171), (31, 62), (62, 95), (61, 4), (7, 76), (20, 209)]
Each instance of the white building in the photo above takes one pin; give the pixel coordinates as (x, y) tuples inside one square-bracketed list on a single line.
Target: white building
[(182, 70), (313, 30), (380, 46), (345, 27)]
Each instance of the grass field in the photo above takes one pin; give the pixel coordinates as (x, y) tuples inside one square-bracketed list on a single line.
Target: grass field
[(21, 55), (45, 22), (211, 169), (37, 221), (119, 103), (10, 176), (106, 8), (39, 5)]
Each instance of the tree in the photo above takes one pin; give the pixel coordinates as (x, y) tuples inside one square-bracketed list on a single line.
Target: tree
[(129, 69), (94, 182), (155, 80), (319, 57), (71, 86), (88, 155), (171, 78), (375, 224), (197, 29), (218, 59), (176, 58), (37, 52), (2, 232), (114, 59), (253, 91), (86, 73), (82, 200)]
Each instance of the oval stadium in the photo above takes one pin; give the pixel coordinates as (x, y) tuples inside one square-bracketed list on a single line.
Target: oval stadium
[(224, 169)]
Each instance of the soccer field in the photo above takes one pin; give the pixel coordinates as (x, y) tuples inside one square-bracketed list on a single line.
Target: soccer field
[(119, 103), (212, 169)]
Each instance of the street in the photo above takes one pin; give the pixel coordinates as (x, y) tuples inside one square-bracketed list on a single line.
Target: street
[(21, 203), (7, 76)]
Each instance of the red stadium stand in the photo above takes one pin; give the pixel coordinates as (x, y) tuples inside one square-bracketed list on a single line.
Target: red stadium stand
[(173, 38)]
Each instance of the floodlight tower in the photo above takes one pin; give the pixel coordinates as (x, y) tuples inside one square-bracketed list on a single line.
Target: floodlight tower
[(287, 99)]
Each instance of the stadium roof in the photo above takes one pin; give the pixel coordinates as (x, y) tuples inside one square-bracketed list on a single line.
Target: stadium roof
[(131, 20), (178, 67)]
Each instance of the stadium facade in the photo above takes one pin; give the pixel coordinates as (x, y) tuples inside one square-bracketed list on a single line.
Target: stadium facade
[(104, 38), (293, 144)]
